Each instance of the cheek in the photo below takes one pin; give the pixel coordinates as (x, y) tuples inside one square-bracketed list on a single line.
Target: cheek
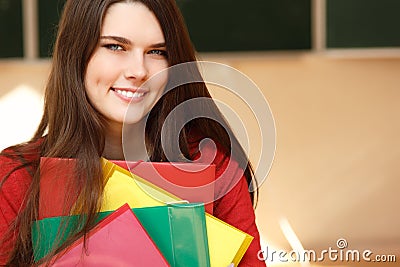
[(98, 73), (158, 82), (159, 76), (95, 82), (90, 85), (91, 71)]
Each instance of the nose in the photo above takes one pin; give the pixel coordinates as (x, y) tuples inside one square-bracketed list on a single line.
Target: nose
[(135, 67)]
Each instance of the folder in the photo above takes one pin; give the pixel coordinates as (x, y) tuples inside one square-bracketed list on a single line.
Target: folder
[(123, 187), (179, 231), (178, 177), (227, 244), (190, 181), (117, 240)]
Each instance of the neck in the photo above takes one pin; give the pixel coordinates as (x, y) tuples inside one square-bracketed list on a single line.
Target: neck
[(131, 147)]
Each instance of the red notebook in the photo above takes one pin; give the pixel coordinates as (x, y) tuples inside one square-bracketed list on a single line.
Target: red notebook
[(190, 181), (118, 240)]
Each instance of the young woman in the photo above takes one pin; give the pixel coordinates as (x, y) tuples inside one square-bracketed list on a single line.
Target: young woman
[(105, 51)]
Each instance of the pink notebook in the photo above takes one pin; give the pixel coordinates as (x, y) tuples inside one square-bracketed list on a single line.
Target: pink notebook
[(118, 240)]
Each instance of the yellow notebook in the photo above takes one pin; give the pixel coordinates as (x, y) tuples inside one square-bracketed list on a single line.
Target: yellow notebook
[(124, 187), (227, 244)]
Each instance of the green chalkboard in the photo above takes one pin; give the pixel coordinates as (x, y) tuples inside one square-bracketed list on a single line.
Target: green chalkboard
[(221, 25), (237, 25), (11, 44), (233, 25), (49, 15), (363, 23)]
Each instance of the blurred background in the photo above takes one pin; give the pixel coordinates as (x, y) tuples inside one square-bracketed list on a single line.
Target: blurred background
[(330, 71)]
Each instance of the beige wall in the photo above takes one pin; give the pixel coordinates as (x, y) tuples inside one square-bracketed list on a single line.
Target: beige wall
[(335, 173)]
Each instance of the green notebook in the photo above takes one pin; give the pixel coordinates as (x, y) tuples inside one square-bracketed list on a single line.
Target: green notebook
[(178, 230)]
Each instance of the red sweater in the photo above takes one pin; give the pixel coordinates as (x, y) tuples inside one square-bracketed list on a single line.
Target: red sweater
[(233, 207)]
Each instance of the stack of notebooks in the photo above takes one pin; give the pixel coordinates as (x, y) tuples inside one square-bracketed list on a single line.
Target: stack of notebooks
[(140, 223)]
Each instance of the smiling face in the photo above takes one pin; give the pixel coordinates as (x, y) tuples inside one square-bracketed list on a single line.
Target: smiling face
[(131, 49)]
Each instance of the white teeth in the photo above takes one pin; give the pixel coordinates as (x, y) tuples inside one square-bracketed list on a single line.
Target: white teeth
[(129, 93)]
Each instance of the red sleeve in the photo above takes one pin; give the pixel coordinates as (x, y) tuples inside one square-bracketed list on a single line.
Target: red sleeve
[(236, 209), (12, 194)]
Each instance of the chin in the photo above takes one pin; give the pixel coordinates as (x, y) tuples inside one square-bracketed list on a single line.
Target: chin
[(132, 120)]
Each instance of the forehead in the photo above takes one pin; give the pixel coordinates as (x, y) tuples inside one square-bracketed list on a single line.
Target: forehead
[(131, 20)]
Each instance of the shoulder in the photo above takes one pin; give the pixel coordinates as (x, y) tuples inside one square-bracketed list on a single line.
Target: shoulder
[(17, 166), (12, 167), (19, 159)]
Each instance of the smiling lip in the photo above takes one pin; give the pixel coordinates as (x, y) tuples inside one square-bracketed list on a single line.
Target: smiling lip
[(129, 94)]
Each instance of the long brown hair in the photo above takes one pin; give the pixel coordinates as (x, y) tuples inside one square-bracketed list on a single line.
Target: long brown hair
[(74, 129)]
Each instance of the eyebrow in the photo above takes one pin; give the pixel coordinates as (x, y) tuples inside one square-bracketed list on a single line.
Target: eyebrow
[(123, 40), (117, 38)]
